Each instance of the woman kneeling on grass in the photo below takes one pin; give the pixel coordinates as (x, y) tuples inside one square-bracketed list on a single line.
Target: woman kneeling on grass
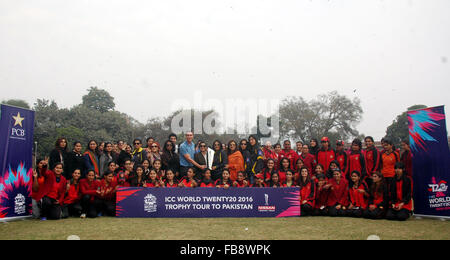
[(401, 192), (321, 196)]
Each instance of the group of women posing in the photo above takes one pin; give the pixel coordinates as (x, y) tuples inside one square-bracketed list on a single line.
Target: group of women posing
[(360, 183)]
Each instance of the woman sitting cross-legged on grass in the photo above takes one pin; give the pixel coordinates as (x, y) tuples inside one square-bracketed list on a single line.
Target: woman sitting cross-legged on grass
[(378, 198), (207, 180)]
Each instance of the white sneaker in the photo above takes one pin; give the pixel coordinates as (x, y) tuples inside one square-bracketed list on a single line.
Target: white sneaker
[(83, 216)]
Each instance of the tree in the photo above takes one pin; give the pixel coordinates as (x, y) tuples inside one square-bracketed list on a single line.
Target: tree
[(398, 130), (98, 99), (332, 115), (17, 103)]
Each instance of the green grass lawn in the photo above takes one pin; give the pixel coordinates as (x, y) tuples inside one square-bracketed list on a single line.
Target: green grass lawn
[(317, 228)]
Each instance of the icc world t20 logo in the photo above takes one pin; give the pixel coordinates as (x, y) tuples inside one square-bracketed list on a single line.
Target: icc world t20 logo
[(150, 204)]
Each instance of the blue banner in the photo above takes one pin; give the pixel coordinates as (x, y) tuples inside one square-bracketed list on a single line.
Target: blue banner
[(207, 202), (431, 161), (16, 148)]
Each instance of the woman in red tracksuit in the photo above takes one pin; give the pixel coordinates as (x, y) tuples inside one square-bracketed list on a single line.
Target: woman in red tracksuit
[(338, 197), (378, 198), (274, 181), (401, 195), (225, 181), (170, 181), (107, 195), (356, 161), (72, 200), (259, 181), (307, 193), (53, 192), (285, 165), (325, 155), (358, 195), (207, 181), (270, 168), (321, 196), (89, 190), (290, 180), (240, 182)]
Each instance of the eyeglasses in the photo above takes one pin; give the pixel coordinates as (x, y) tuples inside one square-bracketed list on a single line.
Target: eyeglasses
[(137, 143), (202, 145), (243, 144)]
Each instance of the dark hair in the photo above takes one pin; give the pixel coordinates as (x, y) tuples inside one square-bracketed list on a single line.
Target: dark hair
[(378, 187), (76, 142), (89, 149), (146, 139), (59, 163), (370, 138), (173, 135), (357, 142), (281, 163)]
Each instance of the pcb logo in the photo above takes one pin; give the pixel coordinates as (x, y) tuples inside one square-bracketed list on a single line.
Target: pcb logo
[(150, 204)]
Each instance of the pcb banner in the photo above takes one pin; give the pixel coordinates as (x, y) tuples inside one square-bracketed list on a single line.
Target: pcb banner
[(16, 145), (431, 161), (207, 202)]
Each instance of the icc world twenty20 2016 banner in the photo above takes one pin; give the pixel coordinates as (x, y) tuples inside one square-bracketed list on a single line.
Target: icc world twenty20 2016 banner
[(207, 202), (431, 161), (16, 145)]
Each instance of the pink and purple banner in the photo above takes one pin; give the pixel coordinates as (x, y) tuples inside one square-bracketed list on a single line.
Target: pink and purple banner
[(16, 147), (431, 161), (207, 202)]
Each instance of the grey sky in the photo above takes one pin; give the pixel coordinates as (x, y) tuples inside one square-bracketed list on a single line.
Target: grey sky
[(146, 53)]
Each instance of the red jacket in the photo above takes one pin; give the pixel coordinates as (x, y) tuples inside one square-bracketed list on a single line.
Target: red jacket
[(167, 184), (358, 199), (406, 158), (73, 195), (309, 161), (51, 188), (342, 159), (108, 190), (325, 158), (307, 192), (401, 192), (338, 192)]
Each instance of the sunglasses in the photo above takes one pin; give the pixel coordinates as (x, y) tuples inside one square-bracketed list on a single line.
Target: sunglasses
[(202, 145), (137, 143), (154, 146)]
